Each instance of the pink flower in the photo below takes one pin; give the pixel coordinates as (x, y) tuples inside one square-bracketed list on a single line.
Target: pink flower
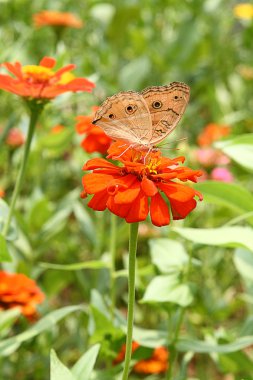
[(211, 157), (222, 174)]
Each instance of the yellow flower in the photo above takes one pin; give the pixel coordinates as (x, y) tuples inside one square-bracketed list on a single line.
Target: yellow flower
[(244, 11)]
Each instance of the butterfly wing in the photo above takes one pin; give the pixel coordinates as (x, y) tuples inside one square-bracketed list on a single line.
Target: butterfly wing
[(125, 116), (166, 105)]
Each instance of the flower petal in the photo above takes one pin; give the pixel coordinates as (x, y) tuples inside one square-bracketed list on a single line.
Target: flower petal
[(159, 211), (48, 62), (118, 209), (95, 163), (181, 209), (94, 183), (139, 209), (126, 196), (177, 191), (98, 201), (148, 187)]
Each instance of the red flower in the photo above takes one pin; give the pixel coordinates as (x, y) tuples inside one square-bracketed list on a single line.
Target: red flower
[(17, 290), (157, 363), (126, 190), (15, 138), (213, 132), (55, 18), (41, 82), (96, 140), (2, 195)]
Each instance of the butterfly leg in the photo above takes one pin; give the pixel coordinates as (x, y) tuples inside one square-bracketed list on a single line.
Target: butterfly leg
[(124, 151), (147, 154)]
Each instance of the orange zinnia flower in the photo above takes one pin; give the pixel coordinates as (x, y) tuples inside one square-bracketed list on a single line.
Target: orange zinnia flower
[(157, 363), (121, 355), (17, 290), (55, 18), (213, 132), (41, 82), (126, 190), (96, 140), (57, 129)]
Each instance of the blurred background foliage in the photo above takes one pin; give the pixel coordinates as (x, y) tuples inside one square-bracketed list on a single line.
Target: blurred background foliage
[(128, 45)]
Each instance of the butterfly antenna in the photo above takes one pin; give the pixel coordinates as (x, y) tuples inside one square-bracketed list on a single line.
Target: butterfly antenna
[(173, 142)]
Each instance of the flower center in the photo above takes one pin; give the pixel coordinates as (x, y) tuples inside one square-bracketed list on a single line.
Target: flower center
[(66, 78), (151, 167), (37, 74)]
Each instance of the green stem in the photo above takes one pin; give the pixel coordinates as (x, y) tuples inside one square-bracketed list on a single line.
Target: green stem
[(133, 234), (179, 321), (113, 257), (35, 113)]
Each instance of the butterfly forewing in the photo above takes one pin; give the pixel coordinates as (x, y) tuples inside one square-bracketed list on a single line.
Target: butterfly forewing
[(125, 116), (166, 106)]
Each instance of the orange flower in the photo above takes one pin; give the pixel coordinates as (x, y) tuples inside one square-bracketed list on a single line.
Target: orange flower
[(126, 190), (157, 363), (96, 140), (41, 82), (17, 290), (121, 355), (213, 132), (2, 193), (55, 18), (57, 129)]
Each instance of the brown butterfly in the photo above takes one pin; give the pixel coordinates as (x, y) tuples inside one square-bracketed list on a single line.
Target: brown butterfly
[(146, 118)]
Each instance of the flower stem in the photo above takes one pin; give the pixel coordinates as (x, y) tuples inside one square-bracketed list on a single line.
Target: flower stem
[(133, 234), (35, 113), (179, 321), (113, 257)]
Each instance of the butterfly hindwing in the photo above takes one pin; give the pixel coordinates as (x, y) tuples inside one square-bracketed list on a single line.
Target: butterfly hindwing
[(166, 105)]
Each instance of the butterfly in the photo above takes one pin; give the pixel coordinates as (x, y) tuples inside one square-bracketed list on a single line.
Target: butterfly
[(143, 119)]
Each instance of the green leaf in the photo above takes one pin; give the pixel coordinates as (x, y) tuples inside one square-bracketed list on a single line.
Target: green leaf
[(150, 338), (229, 195), (39, 214), (56, 141), (4, 212), (85, 221), (168, 255), (9, 345), (240, 149), (223, 236), (207, 347), (103, 327), (84, 366), (7, 319), (167, 289), (243, 261), (4, 253), (128, 79), (235, 362), (58, 371), (92, 264)]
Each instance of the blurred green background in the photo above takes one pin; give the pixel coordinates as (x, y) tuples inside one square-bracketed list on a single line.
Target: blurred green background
[(129, 45)]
